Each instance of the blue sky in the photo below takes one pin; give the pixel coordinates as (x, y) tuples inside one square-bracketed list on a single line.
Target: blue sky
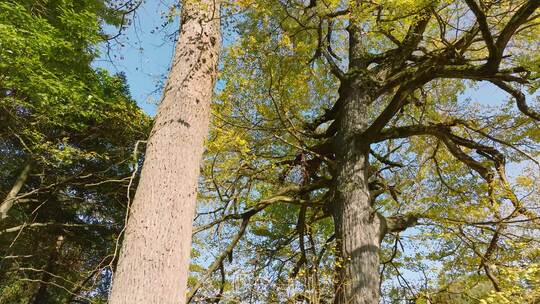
[(143, 52), (145, 49)]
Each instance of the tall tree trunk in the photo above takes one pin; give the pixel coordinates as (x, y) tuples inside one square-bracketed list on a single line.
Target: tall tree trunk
[(153, 265), (40, 296), (357, 226), (9, 201)]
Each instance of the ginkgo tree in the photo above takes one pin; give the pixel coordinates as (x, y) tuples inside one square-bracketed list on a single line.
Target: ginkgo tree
[(346, 163)]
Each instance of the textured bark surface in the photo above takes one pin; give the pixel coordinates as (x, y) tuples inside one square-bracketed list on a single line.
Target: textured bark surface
[(9, 201), (153, 265), (356, 224)]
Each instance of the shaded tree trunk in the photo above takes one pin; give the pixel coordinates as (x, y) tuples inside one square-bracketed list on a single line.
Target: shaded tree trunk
[(40, 296), (153, 265), (356, 224)]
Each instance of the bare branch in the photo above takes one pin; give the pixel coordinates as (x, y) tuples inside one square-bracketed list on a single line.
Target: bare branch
[(520, 99), (484, 28), (10, 199), (511, 27), (219, 260)]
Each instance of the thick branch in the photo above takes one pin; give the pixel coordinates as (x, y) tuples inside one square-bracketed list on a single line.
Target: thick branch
[(484, 28), (453, 143), (442, 132), (334, 68), (520, 99), (300, 228), (393, 107), (485, 262), (412, 39), (395, 224), (10, 199), (511, 27)]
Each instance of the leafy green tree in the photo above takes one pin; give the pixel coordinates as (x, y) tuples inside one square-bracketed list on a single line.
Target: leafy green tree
[(67, 138), (345, 154)]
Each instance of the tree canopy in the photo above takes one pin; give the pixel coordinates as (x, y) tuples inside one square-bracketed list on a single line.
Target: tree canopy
[(68, 133), (423, 113), (454, 178)]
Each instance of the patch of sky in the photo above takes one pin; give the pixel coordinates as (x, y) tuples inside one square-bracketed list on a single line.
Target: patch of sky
[(143, 51)]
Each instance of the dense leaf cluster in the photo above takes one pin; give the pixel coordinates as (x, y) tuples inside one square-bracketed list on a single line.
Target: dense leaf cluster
[(67, 137)]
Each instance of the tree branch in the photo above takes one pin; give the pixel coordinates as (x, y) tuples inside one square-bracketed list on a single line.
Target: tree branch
[(10, 199), (520, 99), (517, 20), (280, 196), (395, 224), (219, 260), (484, 28), (37, 225)]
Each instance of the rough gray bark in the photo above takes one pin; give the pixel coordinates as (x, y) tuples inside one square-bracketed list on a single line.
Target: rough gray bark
[(10, 199), (356, 224), (153, 265)]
